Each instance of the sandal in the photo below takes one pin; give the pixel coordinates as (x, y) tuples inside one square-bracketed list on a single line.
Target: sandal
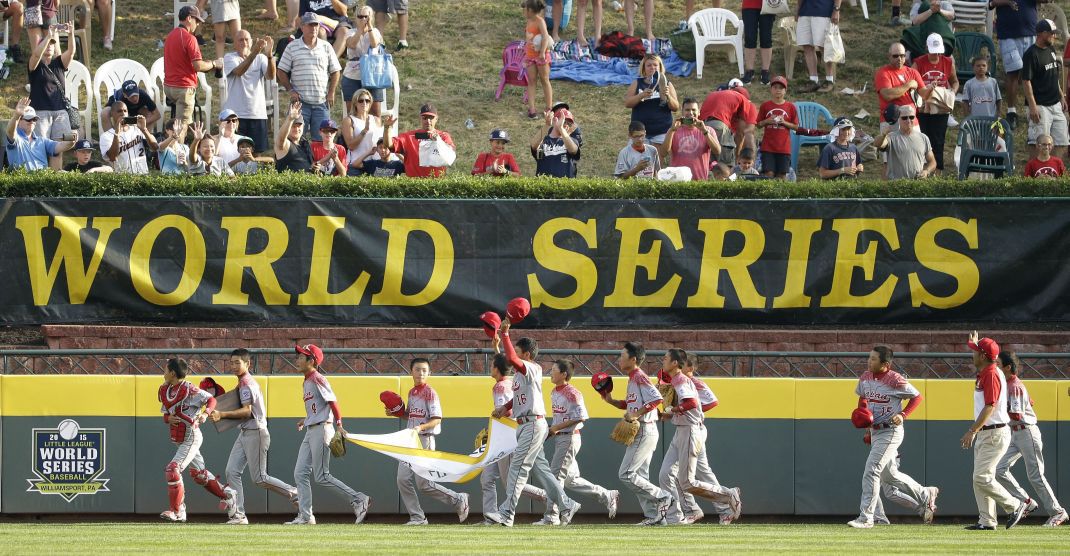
[(533, 114)]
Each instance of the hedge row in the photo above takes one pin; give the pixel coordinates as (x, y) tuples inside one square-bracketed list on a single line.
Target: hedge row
[(50, 184)]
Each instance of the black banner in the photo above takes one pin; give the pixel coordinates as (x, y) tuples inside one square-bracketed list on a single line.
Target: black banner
[(442, 262)]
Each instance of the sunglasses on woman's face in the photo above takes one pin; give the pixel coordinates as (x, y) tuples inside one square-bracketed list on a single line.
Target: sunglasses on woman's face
[(362, 17), (363, 100)]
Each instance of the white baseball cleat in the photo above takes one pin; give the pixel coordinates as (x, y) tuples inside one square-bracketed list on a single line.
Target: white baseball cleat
[(859, 524), (238, 521), (736, 503), (230, 503), (546, 521), (1030, 507), (360, 507), (294, 500), (725, 519), (177, 517), (462, 509), (611, 505), (928, 512), (1056, 520), (570, 512), (693, 518), (301, 521), (416, 522)]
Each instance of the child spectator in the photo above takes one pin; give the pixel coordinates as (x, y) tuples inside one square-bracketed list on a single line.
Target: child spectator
[(981, 93), (174, 153), (537, 54), (246, 163), (497, 162), (326, 153), (557, 150), (745, 163), (779, 117), (83, 154), (1044, 165), (638, 159), (383, 164), (840, 159), (205, 160)]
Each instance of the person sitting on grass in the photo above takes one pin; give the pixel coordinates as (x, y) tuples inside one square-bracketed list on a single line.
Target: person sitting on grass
[(383, 164), (329, 155), (745, 163), (1044, 165), (247, 162), (638, 159), (205, 160), (497, 162), (83, 153)]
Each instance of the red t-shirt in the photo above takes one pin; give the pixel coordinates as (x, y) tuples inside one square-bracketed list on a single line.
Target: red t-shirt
[(180, 50), (887, 77), (1051, 168), (319, 151), (485, 163), (777, 138), (751, 4), (934, 73), (690, 148), (408, 145), (727, 106)]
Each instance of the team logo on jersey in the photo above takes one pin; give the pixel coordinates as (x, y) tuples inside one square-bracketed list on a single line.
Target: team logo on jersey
[(68, 460)]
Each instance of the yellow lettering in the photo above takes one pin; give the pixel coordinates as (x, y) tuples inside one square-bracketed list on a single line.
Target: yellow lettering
[(714, 261), (957, 265), (557, 259), (630, 260), (399, 230), (848, 259), (68, 254), (320, 268), (259, 264), (802, 233), (192, 266)]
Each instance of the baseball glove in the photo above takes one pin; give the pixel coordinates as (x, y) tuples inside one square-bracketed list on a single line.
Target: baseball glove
[(338, 443), (625, 432), (481, 439), (668, 396), (862, 418)]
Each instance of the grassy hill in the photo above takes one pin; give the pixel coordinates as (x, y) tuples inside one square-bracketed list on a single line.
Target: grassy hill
[(456, 55)]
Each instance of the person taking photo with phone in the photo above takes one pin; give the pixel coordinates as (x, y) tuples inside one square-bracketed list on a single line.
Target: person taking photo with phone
[(690, 143), (47, 68), (123, 146)]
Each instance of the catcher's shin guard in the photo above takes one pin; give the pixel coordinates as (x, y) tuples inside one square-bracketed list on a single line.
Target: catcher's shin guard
[(175, 492), (205, 478)]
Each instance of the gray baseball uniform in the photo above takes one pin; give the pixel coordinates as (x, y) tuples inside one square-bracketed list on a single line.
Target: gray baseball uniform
[(884, 393), (314, 457), (894, 495), (423, 405), (528, 458), (1026, 445), (635, 467), (185, 401), (251, 448), (502, 393), (703, 472), (567, 404)]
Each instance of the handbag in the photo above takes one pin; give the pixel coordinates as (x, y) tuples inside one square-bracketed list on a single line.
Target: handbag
[(940, 101), (375, 69), (73, 114), (834, 52), (436, 153), (775, 7)]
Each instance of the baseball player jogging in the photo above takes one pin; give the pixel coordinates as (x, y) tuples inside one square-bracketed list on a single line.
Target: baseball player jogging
[(882, 391), (313, 457), (530, 413), (251, 447), (642, 399), (989, 437), (692, 512), (424, 414), (679, 468), (1026, 445), (502, 393), (569, 415), (183, 406)]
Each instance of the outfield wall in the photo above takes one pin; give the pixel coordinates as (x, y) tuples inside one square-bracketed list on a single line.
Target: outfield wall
[(786, 442)]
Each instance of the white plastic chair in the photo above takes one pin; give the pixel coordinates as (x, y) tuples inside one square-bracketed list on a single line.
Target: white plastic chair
[(397, 99), (865, 8), (971, 12), (157, 76), (111, 74), (710, 27), (76, 78)]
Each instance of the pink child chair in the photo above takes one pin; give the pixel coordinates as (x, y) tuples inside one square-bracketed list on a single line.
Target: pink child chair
[(513, 72)]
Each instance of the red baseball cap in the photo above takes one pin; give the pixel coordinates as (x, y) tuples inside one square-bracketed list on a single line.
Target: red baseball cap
[(986, 346), (491, 322), (517, 309), (311, 350), (779, 80)]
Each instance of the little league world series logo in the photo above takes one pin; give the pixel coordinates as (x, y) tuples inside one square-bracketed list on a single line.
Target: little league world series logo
[(68, 460)]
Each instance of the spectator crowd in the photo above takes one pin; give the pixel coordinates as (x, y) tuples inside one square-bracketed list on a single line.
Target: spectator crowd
[(723, 135)]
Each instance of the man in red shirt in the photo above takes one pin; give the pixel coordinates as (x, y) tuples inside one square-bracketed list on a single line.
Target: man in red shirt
[(181, 62), (989, 437), (896, 83), (732, 117), (408, 144)]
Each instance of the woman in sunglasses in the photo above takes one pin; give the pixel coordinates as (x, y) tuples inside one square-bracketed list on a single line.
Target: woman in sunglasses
[(362, 38)]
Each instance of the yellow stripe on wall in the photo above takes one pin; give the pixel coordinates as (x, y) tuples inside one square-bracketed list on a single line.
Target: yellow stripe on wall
[(753, 398), (67, 395)]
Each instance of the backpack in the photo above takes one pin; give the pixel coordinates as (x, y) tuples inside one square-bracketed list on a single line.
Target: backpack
[(619, 45)]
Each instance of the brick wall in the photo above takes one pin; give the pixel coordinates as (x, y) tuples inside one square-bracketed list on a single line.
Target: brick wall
[(102, 337)]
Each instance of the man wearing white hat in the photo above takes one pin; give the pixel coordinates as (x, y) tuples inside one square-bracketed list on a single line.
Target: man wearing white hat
[(941, 82), (25, 149), (1041, 83)]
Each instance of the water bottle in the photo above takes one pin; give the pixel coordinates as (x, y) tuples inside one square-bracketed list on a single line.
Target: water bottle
[(469, 124), (791, 175)]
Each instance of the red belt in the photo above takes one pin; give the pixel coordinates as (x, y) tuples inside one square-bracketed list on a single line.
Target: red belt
[(1021, 427), (990, 427), (522, 420), (882, 426)]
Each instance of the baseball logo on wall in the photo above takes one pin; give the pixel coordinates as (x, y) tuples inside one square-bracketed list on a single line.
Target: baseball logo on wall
[(68, 460)]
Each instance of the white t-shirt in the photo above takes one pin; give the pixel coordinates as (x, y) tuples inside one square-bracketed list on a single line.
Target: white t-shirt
[(245, 94), (227, 147), (367, 145), (131, 158), (353, 55)]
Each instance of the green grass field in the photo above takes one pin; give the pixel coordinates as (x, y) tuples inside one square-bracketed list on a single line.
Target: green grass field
[(106, 538)]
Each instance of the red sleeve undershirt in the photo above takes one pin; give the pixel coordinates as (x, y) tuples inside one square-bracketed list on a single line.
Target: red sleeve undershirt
[(991, 387), (508, 406), (619, 404), (911, 406), (337, 412), (649, 407), (862, 403), (510, 354), (686, 405), (709, 406)]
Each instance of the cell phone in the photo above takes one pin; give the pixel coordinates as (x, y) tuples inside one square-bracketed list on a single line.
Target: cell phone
[(130, 120), (687, 121), (423, 135)]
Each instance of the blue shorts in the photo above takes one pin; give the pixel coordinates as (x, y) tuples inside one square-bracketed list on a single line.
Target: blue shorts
[(1012, 50), (350, 86)]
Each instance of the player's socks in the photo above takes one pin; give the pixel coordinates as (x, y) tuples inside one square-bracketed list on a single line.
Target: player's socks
[(175, 494)]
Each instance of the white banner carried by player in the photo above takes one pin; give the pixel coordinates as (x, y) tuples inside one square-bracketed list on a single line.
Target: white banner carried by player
[(438, 466)]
